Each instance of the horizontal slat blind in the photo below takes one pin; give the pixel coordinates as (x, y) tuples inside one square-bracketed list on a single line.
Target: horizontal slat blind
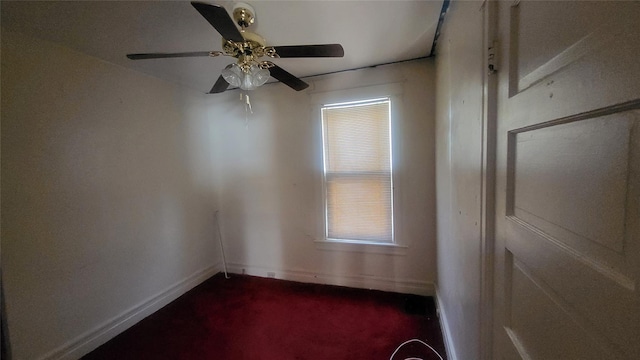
[(357, 158)]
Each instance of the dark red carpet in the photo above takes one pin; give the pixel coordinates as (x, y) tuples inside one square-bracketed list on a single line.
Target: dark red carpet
[(265, 319)]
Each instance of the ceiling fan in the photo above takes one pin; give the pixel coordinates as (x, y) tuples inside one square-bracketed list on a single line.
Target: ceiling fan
[(250, 71)]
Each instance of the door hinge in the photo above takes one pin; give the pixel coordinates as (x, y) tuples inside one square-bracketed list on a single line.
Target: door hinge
[(492, 58)]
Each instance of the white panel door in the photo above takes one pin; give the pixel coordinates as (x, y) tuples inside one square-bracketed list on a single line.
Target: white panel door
[(567, 262)]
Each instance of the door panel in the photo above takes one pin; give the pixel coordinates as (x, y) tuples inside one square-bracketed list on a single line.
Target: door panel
[(568, 181), (542, 41), (559, 173), (540, 324)]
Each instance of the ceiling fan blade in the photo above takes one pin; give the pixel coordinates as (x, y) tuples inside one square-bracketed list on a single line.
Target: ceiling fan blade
[(217, 16), (221, 84), (288, 79), (167, 55), (326, 50)]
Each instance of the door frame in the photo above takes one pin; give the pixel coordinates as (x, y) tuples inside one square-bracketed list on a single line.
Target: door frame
[(491, 66)]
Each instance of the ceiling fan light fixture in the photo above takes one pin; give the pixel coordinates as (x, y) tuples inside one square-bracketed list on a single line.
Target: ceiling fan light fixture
[(246, 80), (257, 76), (233, 75)]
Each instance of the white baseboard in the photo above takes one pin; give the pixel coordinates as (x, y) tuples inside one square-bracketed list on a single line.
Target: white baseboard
[(405, 286), (444, 325), (99, 335)]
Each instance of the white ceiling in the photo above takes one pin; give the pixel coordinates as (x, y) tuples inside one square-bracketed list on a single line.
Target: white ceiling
[(371, 32)]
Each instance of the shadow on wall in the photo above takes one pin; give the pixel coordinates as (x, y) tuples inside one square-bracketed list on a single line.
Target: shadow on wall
[(266, 185), (199, 160), (248, 200)]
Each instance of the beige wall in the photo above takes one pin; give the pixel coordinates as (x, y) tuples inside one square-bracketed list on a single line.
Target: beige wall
[(269, 173), (459, 116), (107, 196)]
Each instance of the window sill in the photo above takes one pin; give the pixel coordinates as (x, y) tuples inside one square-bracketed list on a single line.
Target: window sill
[(361, 247)]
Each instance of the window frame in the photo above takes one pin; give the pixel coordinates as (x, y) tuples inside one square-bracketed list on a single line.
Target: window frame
[(347, 104), (329, 93)]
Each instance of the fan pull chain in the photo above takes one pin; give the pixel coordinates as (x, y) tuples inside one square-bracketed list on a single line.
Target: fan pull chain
[(248, 104), (247, 109)]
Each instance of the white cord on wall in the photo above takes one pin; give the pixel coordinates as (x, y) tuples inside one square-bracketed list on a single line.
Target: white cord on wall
[(224, 260), (418, 341)]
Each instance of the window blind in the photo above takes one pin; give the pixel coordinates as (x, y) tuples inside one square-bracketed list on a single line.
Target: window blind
[(357, 161)]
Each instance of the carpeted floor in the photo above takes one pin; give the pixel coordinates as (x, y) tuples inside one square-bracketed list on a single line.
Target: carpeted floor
[(266, 319)]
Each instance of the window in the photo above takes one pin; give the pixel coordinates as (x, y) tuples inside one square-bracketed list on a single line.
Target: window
[(357, 171)]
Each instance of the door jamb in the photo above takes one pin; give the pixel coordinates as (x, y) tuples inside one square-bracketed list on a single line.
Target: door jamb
[(490, 67)]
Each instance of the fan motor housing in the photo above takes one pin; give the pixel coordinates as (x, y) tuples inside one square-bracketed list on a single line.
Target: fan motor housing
[(243, 14), (253, 44)]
